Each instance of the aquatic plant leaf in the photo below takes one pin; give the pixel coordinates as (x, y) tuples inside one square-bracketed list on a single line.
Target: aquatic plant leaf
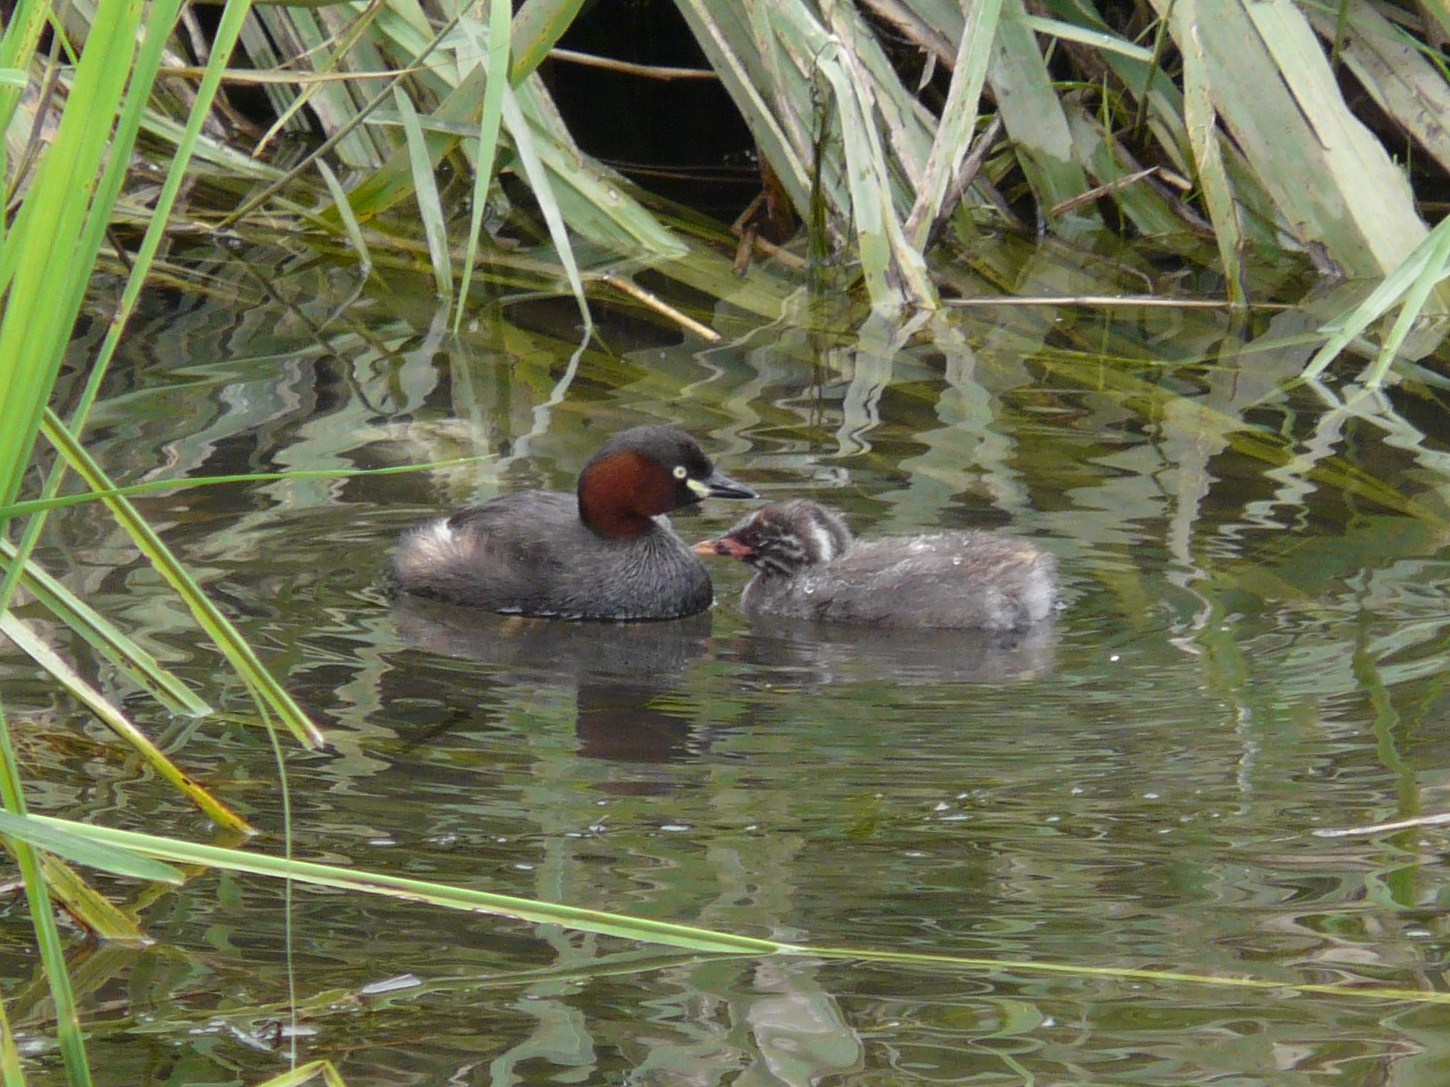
[(306, 1073), (1414, 309), (345, 213), (24, 26), (46, 266), (661, 932), (107, 639), (92, 909), (1427, 266), (109, 715), (1034, 117), (1154, 214), (1098, 39), (543, 190), (895, 274), (325, 875), (958, 120), (425, 191), (537, 28), (392, 183), (1202, 126), (228, 639), (12, 1074), (490, 123), (884, 133), (1393, 69), (1272, 86), (338, 107)]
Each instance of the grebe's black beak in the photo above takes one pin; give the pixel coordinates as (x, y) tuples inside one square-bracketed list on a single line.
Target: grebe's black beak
[(717, 485)]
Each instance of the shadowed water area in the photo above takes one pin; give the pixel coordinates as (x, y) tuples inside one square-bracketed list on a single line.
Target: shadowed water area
[(1251, 655)]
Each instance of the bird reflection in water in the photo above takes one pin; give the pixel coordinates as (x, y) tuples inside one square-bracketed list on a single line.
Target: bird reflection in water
[(627, 677)]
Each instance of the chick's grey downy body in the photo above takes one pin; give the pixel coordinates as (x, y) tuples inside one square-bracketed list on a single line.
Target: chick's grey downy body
[(810, 567)]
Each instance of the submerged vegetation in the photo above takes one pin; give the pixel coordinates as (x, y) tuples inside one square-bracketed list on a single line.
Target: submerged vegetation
[(1256, 148)]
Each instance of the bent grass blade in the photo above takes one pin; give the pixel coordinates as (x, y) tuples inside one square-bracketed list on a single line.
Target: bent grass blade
[(658, 932)]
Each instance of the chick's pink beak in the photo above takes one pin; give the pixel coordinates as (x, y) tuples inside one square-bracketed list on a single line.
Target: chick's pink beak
[(732, 549)]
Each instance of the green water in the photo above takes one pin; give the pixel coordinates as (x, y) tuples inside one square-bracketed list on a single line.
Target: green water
[(1251, 655)]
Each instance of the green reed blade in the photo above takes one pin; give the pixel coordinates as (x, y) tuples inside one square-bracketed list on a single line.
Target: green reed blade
[(92, 910), (425, 193), (109, 715), (661, 932), (490, 123), (107, 639), (226, 636)]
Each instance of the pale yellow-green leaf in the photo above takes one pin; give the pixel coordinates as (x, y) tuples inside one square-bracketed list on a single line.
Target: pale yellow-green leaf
[(1412, 280), (543, 189), (1271, 84), (537, 27), (268, 690), (1397, 75), (306, 38), (1098, 39), (1150, 212), (954, 132), (493, 45), (906, 126), (393, 182), (1212, 177), (91, 908), (895, 273), (84, 850), (1413, 310), (687, 937), (107, 639), (305, 1073), (325, 875), (344, 212), (425, 192), (35, 647), (1032, 113)]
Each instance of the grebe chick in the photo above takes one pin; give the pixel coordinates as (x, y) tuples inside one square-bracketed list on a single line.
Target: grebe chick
[(808, 566)]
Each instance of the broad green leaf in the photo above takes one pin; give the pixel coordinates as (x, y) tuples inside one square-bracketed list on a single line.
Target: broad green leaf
[(1212, 177), (1033, 115), (537, 28), (1271, 84), (958, 122)]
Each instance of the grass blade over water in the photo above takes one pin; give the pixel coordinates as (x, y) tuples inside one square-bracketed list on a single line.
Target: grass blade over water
[(685, 937)]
